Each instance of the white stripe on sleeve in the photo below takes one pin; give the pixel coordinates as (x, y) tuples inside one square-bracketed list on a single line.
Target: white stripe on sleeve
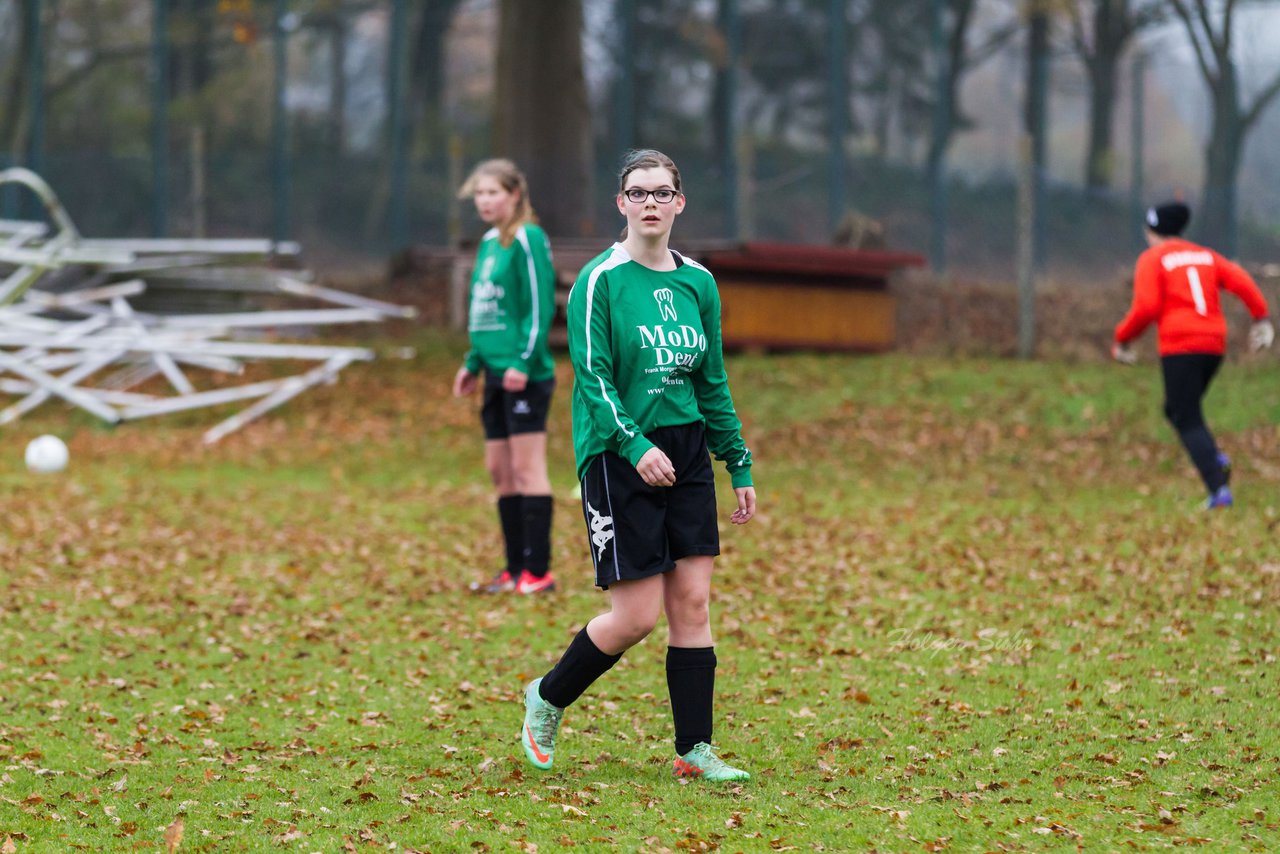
[(533, 291), (618, 258)]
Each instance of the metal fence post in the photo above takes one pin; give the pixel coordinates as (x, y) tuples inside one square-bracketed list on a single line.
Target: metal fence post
[(280, 125), (837, 110), (160, 118), (1136, 186), (731, 26), (937, 145), (398, 207)]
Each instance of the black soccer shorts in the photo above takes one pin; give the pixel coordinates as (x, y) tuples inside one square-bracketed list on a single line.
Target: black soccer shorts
[(635, 530), (508, 413)]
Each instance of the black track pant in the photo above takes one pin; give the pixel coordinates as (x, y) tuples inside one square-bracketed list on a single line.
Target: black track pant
[(1186, 379)]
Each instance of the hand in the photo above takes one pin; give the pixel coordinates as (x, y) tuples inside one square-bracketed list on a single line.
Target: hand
[(746, 505), (655, 468), (1124, 354), (464, 382), (1261, 335), (513, 380)]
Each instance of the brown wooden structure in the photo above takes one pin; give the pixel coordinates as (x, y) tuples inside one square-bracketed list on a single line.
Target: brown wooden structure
[(793, 296)]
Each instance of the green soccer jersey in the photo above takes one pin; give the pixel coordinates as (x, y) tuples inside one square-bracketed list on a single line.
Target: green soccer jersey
[(646, 353), (513, 293)]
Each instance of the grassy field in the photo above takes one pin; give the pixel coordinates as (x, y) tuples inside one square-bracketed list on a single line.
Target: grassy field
[(979, 610)]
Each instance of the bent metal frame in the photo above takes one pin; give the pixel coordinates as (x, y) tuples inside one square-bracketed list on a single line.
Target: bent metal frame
[(89, 347)]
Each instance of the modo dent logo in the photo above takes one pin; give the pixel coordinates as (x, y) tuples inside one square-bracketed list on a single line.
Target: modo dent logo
[(666, 303)]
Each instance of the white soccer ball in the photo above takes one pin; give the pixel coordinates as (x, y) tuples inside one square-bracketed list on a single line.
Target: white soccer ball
[(46, 454)]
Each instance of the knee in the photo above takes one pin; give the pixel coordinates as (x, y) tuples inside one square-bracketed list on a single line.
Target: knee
[(524, 481), (1182, 419), (500, 474), (690, 611), (633, 628)]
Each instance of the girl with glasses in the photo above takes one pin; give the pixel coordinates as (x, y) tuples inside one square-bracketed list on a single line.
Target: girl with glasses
[(650, 402), (512, 302)]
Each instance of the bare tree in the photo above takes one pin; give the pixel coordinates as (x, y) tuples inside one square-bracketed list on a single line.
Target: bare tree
[(1101, 31), (543, 120), (426, 63), (1209, 27), (967, 49)]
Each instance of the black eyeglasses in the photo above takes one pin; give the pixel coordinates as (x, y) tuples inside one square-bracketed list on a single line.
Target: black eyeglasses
[(662, 196)]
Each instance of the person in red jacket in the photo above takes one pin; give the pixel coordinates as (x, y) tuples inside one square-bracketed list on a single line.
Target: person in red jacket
[(1177, 285)]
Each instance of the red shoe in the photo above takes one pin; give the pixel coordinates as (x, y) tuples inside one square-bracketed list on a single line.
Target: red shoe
[(501, 583), (530, 583)]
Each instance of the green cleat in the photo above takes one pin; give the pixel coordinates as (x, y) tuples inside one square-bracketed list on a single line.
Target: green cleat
[(541, 724), (701, 763)]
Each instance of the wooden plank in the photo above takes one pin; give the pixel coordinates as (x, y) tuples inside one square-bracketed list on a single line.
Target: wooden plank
[(72, 378), (67, 392), (756, 314), (291, 388), (298, 288)]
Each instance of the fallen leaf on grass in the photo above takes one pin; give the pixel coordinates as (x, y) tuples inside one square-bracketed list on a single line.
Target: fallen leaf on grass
[(173, 835)]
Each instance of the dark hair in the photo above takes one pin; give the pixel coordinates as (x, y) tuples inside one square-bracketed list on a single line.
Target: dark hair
[(647, 158), (511, 179)]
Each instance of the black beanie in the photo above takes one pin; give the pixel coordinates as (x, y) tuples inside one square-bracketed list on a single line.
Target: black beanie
[(1168, 219)]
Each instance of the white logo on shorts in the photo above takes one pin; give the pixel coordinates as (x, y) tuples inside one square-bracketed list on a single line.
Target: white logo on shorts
[(601, 530), (521, 407), (666, 303)]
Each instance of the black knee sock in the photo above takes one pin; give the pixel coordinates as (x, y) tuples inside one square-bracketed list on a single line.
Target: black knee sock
[(537, 510), (509, 511), (581, 664), (691, 680), (1204, 453)]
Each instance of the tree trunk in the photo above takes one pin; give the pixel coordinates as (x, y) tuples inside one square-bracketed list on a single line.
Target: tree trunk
[(13, 117), (1100, 158), (426, 67), (543, 120), (1222, 166)]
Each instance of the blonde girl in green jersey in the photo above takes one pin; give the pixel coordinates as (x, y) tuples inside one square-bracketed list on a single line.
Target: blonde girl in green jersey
[(512, 303), (651, 403)]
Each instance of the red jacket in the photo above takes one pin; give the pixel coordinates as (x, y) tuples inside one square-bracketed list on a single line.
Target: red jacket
[(1177, 285)]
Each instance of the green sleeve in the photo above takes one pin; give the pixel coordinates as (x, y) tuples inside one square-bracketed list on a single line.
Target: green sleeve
[(535, 279), (711, 386), (590, 351), (471, 361)]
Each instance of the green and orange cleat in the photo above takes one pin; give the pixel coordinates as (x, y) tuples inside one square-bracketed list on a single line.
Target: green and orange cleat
[(541, 725), (701, 763)]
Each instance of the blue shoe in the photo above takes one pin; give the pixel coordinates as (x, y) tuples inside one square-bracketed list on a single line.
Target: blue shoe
[(1225, 463), (1220, 500)]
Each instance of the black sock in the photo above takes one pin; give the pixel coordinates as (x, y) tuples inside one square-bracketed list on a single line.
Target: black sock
[(691, 680), (581, 664), (509, 511), (537, 511)]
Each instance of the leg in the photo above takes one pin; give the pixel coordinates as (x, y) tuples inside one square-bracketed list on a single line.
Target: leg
[(528, 463), (497, 459), (1186, 379), (691, 658), (529, 474), (634, 608)]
